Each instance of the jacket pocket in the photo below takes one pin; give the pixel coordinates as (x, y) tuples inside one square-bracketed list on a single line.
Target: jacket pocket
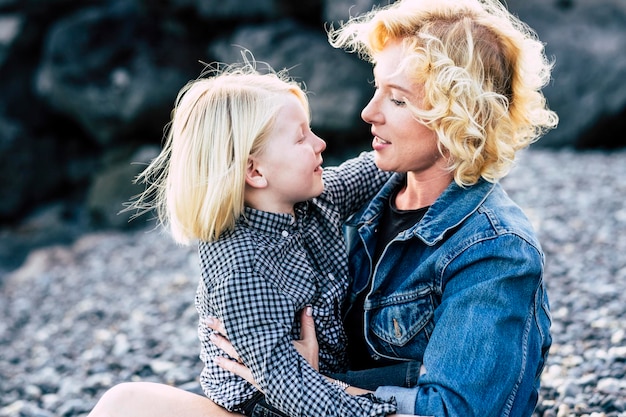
[(401, 325)]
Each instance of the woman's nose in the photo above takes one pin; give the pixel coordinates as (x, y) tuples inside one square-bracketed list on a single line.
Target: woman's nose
[(369, 112)]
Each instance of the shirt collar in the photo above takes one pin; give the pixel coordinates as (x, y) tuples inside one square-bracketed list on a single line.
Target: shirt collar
[(452, 207), (270, 223)]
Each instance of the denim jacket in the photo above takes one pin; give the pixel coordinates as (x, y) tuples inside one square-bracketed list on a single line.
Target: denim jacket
[(463, 292)]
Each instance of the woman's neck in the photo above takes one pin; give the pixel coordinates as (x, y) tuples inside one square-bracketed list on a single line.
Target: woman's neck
[(419, 192)]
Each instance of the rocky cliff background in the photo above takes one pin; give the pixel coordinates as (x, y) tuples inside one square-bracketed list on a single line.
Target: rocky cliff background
[(86, 87)]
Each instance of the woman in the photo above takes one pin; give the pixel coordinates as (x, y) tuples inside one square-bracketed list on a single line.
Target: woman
[(457, 95), (447, 269)]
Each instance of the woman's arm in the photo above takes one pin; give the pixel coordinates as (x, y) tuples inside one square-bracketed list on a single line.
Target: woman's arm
[(306, 346), (490, 337)]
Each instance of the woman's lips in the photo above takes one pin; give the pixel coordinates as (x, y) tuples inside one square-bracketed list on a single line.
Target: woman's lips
[(378, 143)]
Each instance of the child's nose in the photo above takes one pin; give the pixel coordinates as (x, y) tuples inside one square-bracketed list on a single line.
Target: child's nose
[(320, 144)]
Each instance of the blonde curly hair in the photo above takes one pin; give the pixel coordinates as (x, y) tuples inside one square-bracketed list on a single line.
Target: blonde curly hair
[(482, 70)]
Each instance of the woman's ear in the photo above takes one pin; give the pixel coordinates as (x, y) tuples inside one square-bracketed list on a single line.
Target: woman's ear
[(254, 178)]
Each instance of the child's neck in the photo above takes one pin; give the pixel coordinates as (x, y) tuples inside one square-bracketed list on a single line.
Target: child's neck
[(263, 202)]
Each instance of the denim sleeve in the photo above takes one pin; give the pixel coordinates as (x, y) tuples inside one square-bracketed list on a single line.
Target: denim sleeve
[(491, 333), (405, 398)]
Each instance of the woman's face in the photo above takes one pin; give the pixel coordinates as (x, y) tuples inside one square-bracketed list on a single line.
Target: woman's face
[(401, 143)]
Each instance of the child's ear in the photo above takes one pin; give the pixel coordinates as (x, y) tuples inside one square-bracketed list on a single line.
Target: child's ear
[(254, 178)]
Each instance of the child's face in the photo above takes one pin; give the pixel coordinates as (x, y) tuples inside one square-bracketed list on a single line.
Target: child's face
[(292, 158)]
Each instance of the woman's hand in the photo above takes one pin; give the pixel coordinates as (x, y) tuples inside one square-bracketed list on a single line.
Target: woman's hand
[(235, 366), (307, 346)]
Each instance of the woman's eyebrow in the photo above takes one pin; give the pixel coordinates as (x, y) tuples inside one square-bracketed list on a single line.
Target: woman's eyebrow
[(394, 86), (391, 84), (399, 87)]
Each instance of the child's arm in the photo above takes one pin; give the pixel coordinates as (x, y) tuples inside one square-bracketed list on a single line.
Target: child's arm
[(354, 182)]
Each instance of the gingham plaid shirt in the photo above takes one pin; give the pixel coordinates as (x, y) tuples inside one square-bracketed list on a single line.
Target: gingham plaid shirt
[(257, 279)]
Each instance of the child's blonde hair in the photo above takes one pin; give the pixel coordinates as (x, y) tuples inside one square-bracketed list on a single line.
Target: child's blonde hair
[(482, 71), (197, 182)]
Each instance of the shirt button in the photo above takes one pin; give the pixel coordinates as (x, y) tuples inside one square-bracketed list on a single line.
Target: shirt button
[(331, 276), (285, 233)]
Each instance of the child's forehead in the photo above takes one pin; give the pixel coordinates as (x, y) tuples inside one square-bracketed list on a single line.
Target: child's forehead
[(293, 105), (299, 103)]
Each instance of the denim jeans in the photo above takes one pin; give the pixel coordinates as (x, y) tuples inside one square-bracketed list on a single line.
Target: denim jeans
[(404, 375), (401, 375)]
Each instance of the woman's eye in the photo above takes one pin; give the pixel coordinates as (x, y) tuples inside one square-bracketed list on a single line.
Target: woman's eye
[(398, 102)]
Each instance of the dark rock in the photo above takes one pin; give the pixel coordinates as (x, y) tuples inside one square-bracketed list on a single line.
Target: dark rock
[(10, 28), (586, 40), (105, 69), (81, 80), (31, 168), (113, 187), (236, 9), (334, 79), (337, 11)]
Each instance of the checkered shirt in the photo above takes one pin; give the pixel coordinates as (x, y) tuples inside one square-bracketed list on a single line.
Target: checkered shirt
[(258, 277)]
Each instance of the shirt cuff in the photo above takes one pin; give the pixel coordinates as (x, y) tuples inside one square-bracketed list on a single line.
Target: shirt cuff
[(405, 398)]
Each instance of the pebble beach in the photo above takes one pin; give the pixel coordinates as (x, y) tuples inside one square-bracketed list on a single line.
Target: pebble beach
[(118, 306)]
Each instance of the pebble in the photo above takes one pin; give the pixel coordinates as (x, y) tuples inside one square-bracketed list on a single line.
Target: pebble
[(114, 307)]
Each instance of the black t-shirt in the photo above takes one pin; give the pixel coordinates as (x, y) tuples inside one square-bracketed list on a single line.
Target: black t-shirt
[(392, 222)]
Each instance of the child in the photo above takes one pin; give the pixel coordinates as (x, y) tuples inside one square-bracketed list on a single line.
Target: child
[(241, 173)]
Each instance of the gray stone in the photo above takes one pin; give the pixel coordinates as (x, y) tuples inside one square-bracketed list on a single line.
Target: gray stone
[(114, 307)]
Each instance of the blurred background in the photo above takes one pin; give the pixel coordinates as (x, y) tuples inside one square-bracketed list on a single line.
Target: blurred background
[(86, 88), (88, 299)]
